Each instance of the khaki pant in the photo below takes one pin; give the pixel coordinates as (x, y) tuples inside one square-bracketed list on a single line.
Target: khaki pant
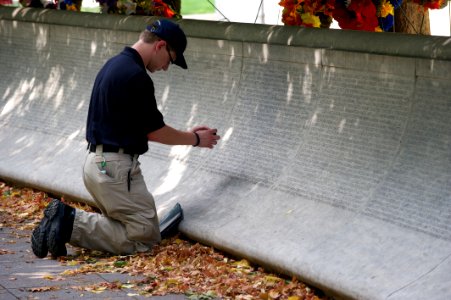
[(128, 222)]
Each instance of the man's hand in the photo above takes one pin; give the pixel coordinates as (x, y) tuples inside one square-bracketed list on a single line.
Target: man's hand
[(207, 136)]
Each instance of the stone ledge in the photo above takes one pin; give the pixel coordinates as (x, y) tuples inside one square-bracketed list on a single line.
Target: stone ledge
[(368, 42)]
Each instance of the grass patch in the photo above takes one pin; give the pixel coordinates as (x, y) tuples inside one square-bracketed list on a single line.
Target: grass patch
[(190, 7), (91, 9)]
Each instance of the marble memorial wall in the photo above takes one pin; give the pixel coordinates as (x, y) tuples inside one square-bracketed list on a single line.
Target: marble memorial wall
[(351, 130)]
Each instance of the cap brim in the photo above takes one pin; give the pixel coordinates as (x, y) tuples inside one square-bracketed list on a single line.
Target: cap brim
[(180, 61)]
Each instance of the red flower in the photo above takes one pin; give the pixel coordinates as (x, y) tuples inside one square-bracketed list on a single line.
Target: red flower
[(162, 9), (431, 4), (359, 15)]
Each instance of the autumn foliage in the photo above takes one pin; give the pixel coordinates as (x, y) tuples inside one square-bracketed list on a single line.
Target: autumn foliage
[(176, 266)]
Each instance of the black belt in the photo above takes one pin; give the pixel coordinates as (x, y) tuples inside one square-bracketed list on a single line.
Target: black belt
[(110, 148)]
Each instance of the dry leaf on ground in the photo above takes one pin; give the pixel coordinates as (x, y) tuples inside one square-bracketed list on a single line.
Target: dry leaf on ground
[(174, 266)]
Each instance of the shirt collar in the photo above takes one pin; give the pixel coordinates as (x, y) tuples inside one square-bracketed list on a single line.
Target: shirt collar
[(131, 52)]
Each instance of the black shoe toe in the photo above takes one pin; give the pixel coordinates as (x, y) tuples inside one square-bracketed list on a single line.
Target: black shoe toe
[(170, 222)]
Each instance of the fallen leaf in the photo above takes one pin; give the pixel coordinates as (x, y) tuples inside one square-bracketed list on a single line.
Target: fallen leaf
[(242, 264), (120, 263), (43, 289), (6, 251)]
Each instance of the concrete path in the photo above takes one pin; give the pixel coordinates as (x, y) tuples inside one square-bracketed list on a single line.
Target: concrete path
[(24, 276)]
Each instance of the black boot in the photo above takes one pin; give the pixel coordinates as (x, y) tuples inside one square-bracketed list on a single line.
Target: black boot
[(61, 230)]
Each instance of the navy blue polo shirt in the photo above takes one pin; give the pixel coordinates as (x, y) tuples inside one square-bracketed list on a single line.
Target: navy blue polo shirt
[(123, 108)]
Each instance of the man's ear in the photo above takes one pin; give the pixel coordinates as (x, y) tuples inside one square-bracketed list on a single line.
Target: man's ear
[(160, 44)]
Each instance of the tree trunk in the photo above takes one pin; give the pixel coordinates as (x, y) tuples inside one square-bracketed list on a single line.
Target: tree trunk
[(412, 18)]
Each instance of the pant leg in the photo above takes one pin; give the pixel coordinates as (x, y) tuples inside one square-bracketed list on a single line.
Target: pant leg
[(129, 222)]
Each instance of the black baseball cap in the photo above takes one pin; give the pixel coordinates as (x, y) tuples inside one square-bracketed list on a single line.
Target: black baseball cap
[(173, 35)]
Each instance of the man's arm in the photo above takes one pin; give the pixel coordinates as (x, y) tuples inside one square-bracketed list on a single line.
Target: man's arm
[(171, 136)]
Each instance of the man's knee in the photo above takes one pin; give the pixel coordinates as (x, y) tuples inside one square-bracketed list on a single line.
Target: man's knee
[(143, 229)]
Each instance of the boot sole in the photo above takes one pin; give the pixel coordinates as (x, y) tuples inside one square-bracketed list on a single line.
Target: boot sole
[(55, 241), (39, 235), (39, 243)]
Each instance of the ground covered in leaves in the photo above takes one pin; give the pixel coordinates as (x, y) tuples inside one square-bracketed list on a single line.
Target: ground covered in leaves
[(177, 265)]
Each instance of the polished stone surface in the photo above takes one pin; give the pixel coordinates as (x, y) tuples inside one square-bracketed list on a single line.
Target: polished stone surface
[(333, 165)]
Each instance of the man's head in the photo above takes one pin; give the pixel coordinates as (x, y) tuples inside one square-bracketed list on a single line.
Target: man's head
[(174, 37)]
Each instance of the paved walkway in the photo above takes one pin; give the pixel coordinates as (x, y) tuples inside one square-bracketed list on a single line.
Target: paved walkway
[(24, 276)]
